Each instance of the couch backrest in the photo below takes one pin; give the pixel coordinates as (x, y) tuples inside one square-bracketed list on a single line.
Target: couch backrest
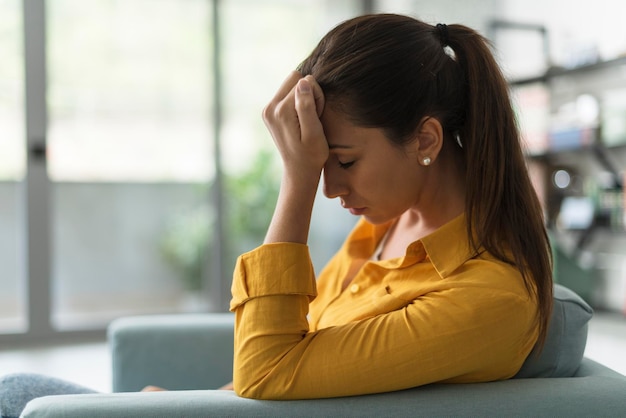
[(566, 339)]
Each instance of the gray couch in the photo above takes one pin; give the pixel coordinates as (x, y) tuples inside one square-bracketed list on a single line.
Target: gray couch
[(189, 353)]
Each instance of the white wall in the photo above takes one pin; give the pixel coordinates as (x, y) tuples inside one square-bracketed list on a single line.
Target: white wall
[(475, 14), (574, 24)]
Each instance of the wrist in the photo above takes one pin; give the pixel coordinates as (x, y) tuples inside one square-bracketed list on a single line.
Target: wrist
[(292, 215), (301, 178)]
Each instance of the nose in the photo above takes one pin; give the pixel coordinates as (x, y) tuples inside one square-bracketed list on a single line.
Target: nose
[(334, 183)]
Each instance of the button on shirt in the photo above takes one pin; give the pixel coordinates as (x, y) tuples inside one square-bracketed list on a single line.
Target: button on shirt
[(441, 313)]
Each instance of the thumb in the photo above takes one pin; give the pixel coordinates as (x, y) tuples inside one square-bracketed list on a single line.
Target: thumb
[(306, 107), (318, 94)]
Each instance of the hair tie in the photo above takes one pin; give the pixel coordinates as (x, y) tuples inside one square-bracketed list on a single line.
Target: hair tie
[(442, 31)]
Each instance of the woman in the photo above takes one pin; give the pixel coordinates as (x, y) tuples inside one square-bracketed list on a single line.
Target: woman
[(447, 276)]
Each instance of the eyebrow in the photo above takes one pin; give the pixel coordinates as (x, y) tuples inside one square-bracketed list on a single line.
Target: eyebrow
[(336, 146)]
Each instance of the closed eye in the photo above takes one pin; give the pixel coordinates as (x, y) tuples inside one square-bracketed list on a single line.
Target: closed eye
[(346, 165)]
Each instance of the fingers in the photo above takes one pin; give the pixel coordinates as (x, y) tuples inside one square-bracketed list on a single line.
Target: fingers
[(287, 86), (309, 106), (153, 389), (227, 386), (281, 107), (287, 89), (293, 119), (318, 94)]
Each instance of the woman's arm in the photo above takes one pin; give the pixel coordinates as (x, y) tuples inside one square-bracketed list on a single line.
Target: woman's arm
[(462, 334), (476, 334), (293, 119)]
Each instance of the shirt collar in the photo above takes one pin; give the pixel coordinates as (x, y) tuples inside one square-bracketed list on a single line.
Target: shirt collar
[(365, 237), (447, 248)]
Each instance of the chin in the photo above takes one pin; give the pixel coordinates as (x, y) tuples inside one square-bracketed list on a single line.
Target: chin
[(376, 220)]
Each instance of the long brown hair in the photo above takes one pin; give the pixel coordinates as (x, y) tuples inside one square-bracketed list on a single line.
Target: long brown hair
[(390, 71)]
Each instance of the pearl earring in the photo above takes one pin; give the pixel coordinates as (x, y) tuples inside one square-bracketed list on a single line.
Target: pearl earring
[(426, 161)]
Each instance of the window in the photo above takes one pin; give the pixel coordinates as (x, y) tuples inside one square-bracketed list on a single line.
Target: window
[(154, 160), (130, 147), (12, 169)]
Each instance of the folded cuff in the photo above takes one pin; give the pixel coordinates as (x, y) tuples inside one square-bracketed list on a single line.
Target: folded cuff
[(273, 269)]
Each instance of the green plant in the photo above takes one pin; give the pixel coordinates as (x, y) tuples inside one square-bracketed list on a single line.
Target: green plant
[(251, 196), (186, 244)]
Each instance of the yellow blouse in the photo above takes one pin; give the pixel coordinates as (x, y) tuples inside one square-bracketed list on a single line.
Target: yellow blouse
[(438, 314)]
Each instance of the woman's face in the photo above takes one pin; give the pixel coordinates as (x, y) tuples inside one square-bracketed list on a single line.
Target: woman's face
[(372, 177)]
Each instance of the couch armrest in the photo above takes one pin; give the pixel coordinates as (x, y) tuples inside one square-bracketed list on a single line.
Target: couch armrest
[(589, 367), (597, 396), (177, 352)]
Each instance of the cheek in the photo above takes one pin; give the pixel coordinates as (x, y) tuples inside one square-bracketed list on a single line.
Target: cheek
[(400, 183)]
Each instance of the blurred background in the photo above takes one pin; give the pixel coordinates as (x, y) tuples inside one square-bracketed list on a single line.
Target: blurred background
[(135, 167)]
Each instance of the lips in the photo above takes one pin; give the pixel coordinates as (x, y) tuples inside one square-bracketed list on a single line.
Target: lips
[(356, 211), (353, 210)]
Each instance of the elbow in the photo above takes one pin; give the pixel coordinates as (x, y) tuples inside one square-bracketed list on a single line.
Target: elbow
[(244, 389), (261, 388), (255, 392), (249, 393)]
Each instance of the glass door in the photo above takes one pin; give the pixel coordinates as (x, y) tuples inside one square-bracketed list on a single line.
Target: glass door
[(13, 316), (134, 166), (130, 143)]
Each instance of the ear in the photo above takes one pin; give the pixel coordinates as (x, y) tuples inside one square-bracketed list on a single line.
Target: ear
[(429, 140)]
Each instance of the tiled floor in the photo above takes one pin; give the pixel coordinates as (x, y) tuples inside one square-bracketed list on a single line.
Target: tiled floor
[(89, 364), (606, 342)]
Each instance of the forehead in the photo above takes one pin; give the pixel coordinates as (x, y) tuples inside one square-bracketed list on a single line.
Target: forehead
[(342, 133)]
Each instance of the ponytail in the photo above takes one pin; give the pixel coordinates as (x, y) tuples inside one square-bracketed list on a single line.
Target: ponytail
[(503, 211)]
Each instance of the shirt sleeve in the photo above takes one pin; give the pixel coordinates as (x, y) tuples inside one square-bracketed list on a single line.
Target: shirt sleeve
[(459, 334), (273, 269)]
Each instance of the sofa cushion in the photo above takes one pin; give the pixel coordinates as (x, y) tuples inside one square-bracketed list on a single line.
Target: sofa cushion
[(566, 339)]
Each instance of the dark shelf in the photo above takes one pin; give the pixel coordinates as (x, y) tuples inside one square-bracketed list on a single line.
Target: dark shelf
[(598, 151), (582, 149), (559, 71)]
